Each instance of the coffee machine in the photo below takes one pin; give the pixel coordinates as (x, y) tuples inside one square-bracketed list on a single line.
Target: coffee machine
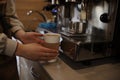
[(88, 28)]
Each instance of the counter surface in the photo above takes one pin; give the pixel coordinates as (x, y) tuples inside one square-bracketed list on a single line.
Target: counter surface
[(61, 71)]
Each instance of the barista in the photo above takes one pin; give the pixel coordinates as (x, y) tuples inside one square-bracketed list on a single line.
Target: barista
[(31, 49)]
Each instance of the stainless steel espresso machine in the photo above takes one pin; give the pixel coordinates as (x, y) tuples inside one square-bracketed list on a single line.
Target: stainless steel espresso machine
[(87, 28)]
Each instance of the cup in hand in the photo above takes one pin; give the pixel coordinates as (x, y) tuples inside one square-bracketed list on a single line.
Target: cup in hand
[(52, 41)]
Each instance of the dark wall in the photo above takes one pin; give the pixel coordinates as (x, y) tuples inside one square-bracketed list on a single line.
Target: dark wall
[(116, 38)]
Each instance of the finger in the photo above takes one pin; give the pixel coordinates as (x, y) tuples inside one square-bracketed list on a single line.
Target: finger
[(46, 58), (50, 54), (38, 34), (47, 50), (40, 40)]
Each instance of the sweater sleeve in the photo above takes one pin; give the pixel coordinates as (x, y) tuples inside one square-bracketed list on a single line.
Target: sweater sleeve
[(7, 46), (12, 15)]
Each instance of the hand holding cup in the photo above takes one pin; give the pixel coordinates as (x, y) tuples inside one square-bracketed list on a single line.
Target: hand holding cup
[(52, 41)]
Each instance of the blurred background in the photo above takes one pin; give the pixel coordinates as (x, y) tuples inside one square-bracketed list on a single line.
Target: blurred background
[(31, 21)]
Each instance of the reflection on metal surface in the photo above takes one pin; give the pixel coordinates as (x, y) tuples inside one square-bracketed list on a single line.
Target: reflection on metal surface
[(98, 15), (90, 39), (31, 70), (83, 48)]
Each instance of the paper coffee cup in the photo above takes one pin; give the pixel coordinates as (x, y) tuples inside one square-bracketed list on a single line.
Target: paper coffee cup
[(52, 37), (52, 41)]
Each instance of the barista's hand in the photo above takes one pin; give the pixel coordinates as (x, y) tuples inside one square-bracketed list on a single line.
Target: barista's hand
[(35, 51), (29, 37)]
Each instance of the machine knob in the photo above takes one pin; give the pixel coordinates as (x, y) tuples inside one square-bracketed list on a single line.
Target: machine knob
[(104, 18)]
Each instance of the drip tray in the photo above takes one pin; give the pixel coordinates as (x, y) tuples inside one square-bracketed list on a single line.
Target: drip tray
[(74, 35), (88, 63)]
